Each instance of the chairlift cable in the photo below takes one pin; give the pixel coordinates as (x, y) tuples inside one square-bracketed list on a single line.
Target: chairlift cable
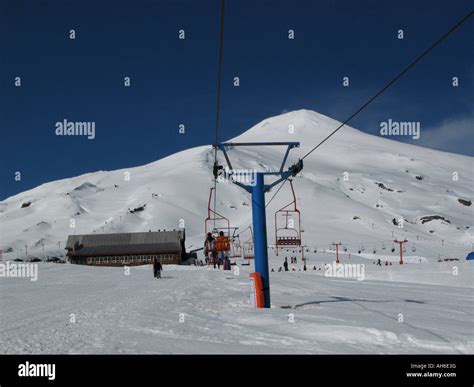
[(395, 79), (387, 86), (218, 100)]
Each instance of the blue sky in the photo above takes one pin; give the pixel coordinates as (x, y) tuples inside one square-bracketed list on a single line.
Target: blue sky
[(174, 81)]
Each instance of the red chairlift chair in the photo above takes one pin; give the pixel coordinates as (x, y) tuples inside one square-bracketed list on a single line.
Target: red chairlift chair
[(235, 245), (215, 222), (248, 250), (248, 246), (288, 235)]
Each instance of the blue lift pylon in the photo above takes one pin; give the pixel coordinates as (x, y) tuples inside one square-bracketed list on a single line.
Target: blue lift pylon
[(257, 188)]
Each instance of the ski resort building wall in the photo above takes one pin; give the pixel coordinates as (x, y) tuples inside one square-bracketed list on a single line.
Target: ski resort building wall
[(127, 248)]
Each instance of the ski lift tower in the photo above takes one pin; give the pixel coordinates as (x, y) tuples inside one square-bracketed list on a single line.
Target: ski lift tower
[(257, 188)]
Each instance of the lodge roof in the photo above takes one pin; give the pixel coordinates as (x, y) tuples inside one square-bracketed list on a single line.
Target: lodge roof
[(125, 243)]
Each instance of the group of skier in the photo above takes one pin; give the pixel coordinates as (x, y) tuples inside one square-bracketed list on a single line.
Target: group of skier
[(379, 263), (293, 260), (216, 250)]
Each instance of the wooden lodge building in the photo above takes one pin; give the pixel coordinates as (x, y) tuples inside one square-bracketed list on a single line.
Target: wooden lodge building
[(127, 249)]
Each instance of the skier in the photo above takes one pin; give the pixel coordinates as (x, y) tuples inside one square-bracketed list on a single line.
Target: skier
[(222, 248), (227, 263), (210, 249), (285, 264), (154, 267), (157, 268)]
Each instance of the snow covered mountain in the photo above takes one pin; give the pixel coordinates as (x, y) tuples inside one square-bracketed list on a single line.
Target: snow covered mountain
[(350, 190)]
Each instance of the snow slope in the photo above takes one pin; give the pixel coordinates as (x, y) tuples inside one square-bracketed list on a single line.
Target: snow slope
[(100, 201)]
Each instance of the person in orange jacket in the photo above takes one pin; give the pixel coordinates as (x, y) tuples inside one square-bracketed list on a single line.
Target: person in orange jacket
[(222, 248)]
